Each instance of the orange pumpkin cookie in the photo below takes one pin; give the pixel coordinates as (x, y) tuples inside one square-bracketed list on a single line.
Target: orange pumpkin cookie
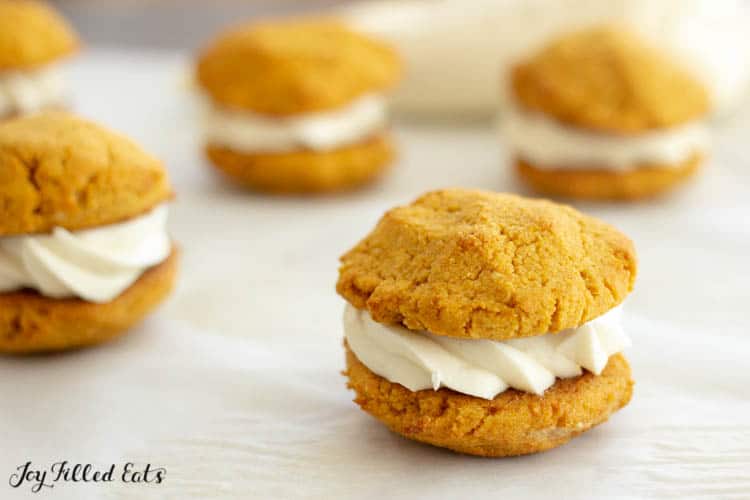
[(297, 106), (488, 323), (84, 252), (33, 39), (601, 114)]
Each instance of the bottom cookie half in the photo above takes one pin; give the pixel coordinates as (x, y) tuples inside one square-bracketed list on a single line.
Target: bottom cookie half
[(513, 423), (31, 323), (599, 184), (306, 171)]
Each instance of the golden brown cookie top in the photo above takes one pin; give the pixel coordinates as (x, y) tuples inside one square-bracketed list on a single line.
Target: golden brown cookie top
[(476, 264), (32, 33), (294, 66), (59, 170), (607, 79)]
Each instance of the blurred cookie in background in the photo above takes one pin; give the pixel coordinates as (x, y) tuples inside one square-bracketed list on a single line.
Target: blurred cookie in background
[(600, 114), (297, 106), (453, 50), (34, 39)]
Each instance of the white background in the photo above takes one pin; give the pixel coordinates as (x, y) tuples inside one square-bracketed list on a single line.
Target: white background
[(234, 385)]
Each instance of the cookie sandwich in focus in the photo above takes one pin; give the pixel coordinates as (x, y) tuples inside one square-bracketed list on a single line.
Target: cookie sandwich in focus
[(601, 114), (34, 40), (488, 323), (84, 249), (297, 106)]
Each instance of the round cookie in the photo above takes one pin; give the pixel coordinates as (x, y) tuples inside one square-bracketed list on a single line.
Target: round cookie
[(474, 264), (32, 34), (309, 93), (306, 171), (513, 423), (608, 80), (307, 65), (482, 266), (59, 170), (599, 184), (31, 323)]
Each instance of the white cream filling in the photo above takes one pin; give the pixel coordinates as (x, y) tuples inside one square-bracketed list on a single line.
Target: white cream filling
[(95, 264), (547, 143), (31, 90), (249, 132), (482, 368)]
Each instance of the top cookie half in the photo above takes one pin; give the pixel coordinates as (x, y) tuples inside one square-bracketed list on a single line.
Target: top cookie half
[(607, 79), (294, 66), (475, 264), (32, 34), (59, 170)]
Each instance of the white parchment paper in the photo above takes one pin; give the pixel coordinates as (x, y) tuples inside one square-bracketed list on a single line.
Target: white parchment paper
[(234, 386)]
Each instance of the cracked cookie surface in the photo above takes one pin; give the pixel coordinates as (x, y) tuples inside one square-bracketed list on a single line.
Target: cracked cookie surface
[(513, 423), (59, 170), (476, 264), (31, 34), (607, 79), (294, 66)]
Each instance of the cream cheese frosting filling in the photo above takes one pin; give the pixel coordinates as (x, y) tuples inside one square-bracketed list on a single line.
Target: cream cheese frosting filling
[(549, 144), (477, 367), (249, 132), (95, 265), (29, 91)]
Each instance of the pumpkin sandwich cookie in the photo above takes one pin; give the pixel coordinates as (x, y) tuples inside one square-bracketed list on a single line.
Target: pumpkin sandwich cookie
[(599, 114), (33, 41), (488, 323), (297, 106), (84, 251)]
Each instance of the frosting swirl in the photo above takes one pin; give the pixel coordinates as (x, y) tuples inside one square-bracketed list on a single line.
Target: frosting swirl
[(257, 133), (549, 144), (30, 90), (95, 264), (477, 367)]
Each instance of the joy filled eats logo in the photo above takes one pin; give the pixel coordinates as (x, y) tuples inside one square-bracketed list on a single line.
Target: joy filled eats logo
[(27, 474)]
